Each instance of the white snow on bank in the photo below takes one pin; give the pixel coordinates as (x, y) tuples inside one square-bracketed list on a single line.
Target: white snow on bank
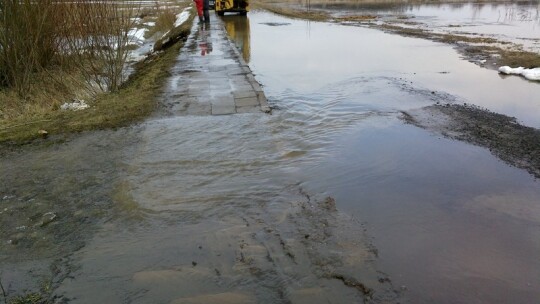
[(75, 106), (530, 74), (137, 35), (182, 17)]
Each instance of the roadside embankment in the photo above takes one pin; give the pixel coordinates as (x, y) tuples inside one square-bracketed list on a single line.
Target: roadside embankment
[(134, 100)]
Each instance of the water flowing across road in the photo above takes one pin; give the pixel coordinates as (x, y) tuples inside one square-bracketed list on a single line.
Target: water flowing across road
[(236, 208)]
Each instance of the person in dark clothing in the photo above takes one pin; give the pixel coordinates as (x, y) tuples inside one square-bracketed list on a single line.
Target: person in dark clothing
[(206, 8)]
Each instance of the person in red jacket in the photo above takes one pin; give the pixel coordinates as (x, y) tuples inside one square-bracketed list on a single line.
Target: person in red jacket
[(199, 5)]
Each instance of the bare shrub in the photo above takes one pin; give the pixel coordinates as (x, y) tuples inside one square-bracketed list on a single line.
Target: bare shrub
[(28, 40), (92, 36), (97, 36)]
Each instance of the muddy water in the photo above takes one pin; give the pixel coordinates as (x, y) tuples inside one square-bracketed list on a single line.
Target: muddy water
[(452, 224), (196, 209)]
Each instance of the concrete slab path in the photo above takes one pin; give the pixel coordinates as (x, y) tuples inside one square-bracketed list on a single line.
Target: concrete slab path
[(211, 77)]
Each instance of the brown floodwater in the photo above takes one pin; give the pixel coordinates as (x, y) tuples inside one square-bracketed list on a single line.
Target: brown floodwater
[(207, 206)]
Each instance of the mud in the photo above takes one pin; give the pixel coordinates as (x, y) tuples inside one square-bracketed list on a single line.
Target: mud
[(52, 199), (516, 144)]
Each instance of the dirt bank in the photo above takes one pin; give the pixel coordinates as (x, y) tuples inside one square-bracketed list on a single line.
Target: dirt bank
[(516, 144)]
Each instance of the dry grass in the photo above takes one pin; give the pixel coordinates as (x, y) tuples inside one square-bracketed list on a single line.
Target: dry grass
[(28, 40), (449, 38), (356, 18), (134, 101), (46, 91), (164, 19), (520, 58)]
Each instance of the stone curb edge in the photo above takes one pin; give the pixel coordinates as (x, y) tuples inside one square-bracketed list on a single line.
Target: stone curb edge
[(249, 74)]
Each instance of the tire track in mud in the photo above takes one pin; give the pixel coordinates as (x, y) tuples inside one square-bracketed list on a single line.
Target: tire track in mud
[(309, 252)]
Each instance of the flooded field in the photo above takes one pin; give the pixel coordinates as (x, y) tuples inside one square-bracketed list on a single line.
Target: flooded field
[(506, 21), (333, 198)]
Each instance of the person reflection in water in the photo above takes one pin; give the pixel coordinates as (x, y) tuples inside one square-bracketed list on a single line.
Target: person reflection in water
[(205, 45)]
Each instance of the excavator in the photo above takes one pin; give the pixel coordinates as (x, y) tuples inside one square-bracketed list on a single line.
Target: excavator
[(234, 6)]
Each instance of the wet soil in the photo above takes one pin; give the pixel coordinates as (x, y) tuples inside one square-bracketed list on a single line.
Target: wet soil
[(52, 199), (507, 139)]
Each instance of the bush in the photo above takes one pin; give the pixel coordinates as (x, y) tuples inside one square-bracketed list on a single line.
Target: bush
[(28, 40), (89, 35)]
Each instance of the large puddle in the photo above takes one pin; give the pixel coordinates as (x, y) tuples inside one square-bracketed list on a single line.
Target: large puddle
[(452, 223), (207, 207)]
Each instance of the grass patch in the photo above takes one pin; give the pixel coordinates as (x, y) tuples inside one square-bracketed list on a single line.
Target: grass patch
[(449, 38), (32, 298), (164, 19), (520, 58), (411, 32), (356, 18), (135, 100)]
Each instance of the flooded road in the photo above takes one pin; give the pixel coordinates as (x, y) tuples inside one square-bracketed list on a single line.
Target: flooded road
[(242, 208), (452, 224)]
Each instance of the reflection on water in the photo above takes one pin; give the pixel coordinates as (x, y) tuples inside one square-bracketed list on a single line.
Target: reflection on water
[(514, 22), (205, 41), (332, 53), (237, 27), (511, 22), (451, 222)]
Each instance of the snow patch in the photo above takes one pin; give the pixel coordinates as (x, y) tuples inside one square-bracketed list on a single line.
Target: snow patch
[(137, 35), (75, 106), (530, 74), (182, 17)]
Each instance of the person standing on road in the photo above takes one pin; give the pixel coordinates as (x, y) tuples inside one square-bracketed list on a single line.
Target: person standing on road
[(199, 5), (206, 8)]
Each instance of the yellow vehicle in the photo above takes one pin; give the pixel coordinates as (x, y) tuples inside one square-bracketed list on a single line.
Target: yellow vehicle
[(235, 6)]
